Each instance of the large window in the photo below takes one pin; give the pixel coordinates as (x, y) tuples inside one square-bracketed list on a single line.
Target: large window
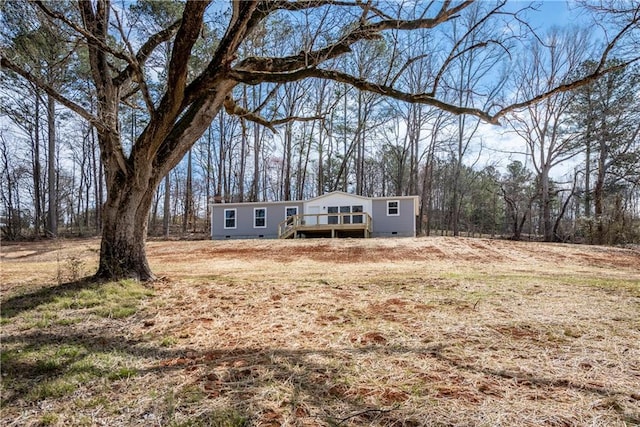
[(345, 219), (332, 219), (393, 208), (259, 217), (357, 219), (230, 218)]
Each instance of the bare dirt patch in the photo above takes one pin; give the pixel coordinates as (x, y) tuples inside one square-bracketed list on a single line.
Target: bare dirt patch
[(437, 331)]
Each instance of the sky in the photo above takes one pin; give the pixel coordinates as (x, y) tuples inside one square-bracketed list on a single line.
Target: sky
[(502, 146), (497, 138)]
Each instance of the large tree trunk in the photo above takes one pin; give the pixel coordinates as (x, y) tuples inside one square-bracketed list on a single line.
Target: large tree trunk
[(124, 234), (131, 186)]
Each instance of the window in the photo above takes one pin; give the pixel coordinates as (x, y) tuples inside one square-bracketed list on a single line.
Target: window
[(332, 219), (259, 217), (346, 219), (230, 218), (356, 219), (393, 208), (290, 211)]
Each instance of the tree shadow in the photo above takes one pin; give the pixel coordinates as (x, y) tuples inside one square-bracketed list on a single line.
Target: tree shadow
[(534, 381), (18, 304), (317, 390), (237, 375), (24, 249)]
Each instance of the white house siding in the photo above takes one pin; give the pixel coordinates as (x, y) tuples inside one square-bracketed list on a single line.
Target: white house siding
[(320, 204), (401, 225), (245, 220)]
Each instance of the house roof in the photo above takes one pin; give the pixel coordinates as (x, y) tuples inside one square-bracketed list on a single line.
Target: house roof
[(325, 195), (291, 202), (233, 204)]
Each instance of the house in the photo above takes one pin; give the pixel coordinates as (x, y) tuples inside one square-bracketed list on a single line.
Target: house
[(335, 214)]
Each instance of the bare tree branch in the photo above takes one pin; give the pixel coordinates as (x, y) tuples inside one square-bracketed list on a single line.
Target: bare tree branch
[(244, 18), (613, 43), (562, 88), (138, 74), (406, 65), (146, 50), (314, 4), (342, 46), (171, 104), (253, 77), (453, 55), (76, 108), (422, 98), (91, 38), (232, 108), (186, 37)]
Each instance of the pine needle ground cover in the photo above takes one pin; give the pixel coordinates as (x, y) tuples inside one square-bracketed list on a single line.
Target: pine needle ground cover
[(396, 332)]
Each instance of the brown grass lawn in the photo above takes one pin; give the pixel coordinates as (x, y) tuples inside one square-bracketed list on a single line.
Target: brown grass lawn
[(397, 332)]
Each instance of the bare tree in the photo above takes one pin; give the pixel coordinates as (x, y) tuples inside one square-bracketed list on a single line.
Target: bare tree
[(544, 126), (182, 112)]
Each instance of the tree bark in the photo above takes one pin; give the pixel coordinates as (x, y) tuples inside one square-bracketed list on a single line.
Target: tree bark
[(546, 206), (124, 233), (52, 222), (188, 196), (36, 168), (166, 208), (598, 192)]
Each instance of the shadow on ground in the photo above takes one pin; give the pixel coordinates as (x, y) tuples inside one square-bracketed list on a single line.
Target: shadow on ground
[(312, 383), (15, 305)]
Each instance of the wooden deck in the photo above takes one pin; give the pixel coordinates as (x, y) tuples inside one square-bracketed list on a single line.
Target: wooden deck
[(326, 225)]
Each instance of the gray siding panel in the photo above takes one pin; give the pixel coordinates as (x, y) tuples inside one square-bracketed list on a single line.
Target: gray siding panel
[(244, 220), (402, 225), (384, 225)]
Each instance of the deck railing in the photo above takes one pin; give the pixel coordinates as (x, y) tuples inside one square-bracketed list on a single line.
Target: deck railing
[(335, 221)]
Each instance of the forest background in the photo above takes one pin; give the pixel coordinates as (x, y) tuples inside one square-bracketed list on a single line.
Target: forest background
[(565, 169)]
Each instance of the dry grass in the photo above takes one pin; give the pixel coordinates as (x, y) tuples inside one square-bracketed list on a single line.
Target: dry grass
[(438, 331)]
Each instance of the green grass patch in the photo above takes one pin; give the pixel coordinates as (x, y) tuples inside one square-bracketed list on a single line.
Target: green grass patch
[(51, 371), (52, 305), (117, 312), (168, 341), (122, 373), (68, 321), (94, 402), (52, 389), (49, 419), (112, 300), (191, 394)]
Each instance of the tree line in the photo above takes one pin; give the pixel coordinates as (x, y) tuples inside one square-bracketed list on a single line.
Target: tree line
[(106, 103)]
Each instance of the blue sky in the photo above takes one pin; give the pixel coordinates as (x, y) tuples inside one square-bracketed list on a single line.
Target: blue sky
[(550, 13)]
